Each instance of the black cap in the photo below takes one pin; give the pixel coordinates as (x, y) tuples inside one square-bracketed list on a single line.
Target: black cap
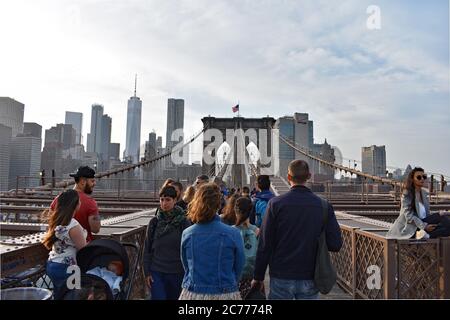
[(83, 172)]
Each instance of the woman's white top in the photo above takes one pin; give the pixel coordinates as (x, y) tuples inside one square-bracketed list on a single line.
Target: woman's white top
[(422, 211), (64, 250)]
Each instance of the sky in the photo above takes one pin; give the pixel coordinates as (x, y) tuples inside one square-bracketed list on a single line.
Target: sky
[(360, 86)]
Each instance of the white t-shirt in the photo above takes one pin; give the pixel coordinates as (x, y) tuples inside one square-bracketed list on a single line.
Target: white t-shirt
[(422, 211), (64, 250)]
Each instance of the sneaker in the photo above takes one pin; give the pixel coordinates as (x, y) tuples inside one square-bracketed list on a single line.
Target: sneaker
[(422, 235)]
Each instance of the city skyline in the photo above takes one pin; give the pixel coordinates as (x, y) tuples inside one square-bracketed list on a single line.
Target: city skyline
[(386, 90)]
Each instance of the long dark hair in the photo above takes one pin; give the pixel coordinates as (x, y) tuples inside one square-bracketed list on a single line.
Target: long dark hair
[(229, 215), (409, 188), (243, 207), (65, 207)]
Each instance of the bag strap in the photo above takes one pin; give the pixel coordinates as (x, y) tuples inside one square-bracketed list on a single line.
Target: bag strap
[(243, 234), (324, 212)]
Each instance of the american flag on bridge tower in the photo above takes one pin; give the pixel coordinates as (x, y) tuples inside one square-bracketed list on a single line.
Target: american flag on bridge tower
[(235, 108)]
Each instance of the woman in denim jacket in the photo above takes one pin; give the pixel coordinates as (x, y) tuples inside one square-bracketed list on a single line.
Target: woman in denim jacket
[(212, 252)]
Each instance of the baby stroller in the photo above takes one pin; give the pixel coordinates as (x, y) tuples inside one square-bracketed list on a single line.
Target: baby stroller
[(100, 253)]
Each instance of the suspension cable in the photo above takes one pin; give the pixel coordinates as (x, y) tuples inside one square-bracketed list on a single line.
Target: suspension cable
[(340, 167)]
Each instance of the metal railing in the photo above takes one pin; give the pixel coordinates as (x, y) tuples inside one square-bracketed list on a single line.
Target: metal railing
[(118, 188), (370, 266)]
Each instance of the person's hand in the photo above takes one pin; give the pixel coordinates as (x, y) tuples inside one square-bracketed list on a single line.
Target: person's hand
[(257, 284), (444, 213), (430, 227), (149, 281)]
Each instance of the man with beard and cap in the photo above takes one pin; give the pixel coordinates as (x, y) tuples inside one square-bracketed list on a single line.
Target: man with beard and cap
[(88, 215)]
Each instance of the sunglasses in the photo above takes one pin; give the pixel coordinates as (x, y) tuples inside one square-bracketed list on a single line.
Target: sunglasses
[(420, 177)]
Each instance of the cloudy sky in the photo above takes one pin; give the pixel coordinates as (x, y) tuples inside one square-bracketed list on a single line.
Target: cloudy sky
[(360, 86)]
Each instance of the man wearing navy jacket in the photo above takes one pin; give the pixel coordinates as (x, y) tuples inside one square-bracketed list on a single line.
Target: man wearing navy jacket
[(289, 237)]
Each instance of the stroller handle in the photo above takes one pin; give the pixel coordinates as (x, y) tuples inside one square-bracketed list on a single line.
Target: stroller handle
[(134, 269), (130, 244)]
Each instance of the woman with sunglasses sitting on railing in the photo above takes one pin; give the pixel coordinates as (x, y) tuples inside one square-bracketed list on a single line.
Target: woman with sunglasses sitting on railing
[(415, 219)]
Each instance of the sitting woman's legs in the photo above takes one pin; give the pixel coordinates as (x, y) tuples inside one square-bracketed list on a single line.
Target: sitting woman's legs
[(443, 225)]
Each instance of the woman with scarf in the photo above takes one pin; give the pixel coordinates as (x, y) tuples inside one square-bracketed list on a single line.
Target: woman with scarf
[(162, 263)]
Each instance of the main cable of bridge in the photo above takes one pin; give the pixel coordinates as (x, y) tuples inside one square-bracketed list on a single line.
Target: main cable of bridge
[(337, 166), (436, 174), (445, 177), (66, 183)]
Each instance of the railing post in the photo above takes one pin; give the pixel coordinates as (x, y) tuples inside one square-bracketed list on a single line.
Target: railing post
[(436, 192), (443, 184), (353, 252), (431, 187), (17, 185), (329, 190), (362, 191), (390, 269), (53, 179), (445, 267), (367, 193)]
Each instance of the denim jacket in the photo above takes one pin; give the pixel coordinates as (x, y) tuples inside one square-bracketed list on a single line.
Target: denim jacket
[(213, 257)]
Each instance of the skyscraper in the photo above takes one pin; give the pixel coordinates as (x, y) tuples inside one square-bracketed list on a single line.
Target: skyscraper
[(302, 130), (5, 151), (285, 127), (133, 137), (159, 142), (311, 133), (106, 136), (76, 120), (320, 172), (69, 136), (25, 161), (32, 129), (63, 134), (150, 146), (94, 143), (152, 139), (374, 160), (11, 114), (59, 141), (175, 120), (114, 151)]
